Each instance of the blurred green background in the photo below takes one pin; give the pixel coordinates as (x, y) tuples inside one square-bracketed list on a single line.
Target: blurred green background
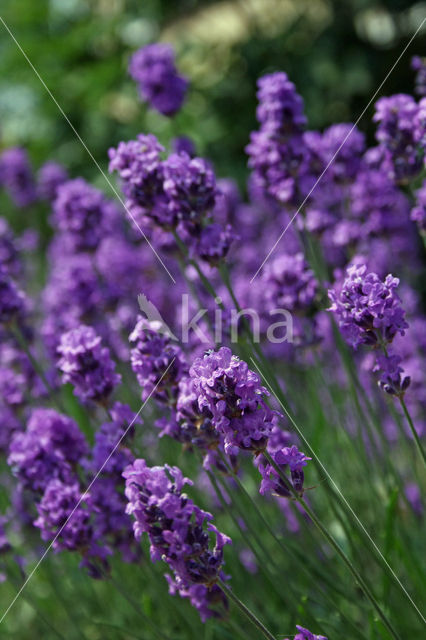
[(337, 53)]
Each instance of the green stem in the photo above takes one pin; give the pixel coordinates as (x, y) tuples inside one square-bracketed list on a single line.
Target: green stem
[(245, 610), (359, 579), (413, 429)]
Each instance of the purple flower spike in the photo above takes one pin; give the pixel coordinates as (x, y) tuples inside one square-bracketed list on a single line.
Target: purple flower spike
[(400, 134), (83, 214), (50, 177), (59, 503), (157, 362), (179, 532), (17, 177), (232, 393), (368, 310), (87, 365), (153, 69), (49, 448), (276, 150)]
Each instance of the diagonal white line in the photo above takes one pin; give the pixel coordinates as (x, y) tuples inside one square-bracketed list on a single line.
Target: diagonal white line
[(82, 497), (339, 149), (104, 175), (340, 493)]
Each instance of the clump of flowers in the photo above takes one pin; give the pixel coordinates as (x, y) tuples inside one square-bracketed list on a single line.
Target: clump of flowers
[(153, 68), (368, 310), (276, 150), (83, 214), (176, 194), (400, 134), (87, 365), (49, 448), (235, 398), (50, 177), (16, 176), (157, 362), (60, 501), (177, 531), (418, 64), (290, 283)]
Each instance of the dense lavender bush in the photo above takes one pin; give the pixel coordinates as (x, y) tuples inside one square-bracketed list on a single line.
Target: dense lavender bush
[(313, 471)]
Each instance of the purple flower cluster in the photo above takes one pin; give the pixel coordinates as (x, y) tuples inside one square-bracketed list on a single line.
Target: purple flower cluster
[(50, 177), (290, 283), (287, 458), (368, 310), (276, 150), (233, 395), (176, 530), (400, 132), (9, 259), (59, 504), (49, 448), (87, 365), (418, 64), (157, 362), (17, 177), (153, 69), (83, 214), (178, 193)]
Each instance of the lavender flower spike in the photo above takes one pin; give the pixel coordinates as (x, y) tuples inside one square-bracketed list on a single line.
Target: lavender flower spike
[(176, 529), (368, 310), (234, 396), (153, 69), (87, 365)]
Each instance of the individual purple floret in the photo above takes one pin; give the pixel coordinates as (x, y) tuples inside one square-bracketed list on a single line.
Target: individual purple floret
[(13, 302), (153, 69), (17, 177), (276, 150), (398, 131), (288, 458), (290, 283), (368, 310), (87, 365), (175, 526), (59, 502), (233, 395), (49, 448), (305, 634), (50, 177), (419, 65), (83, 214), (418, 213), (157, 362)]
